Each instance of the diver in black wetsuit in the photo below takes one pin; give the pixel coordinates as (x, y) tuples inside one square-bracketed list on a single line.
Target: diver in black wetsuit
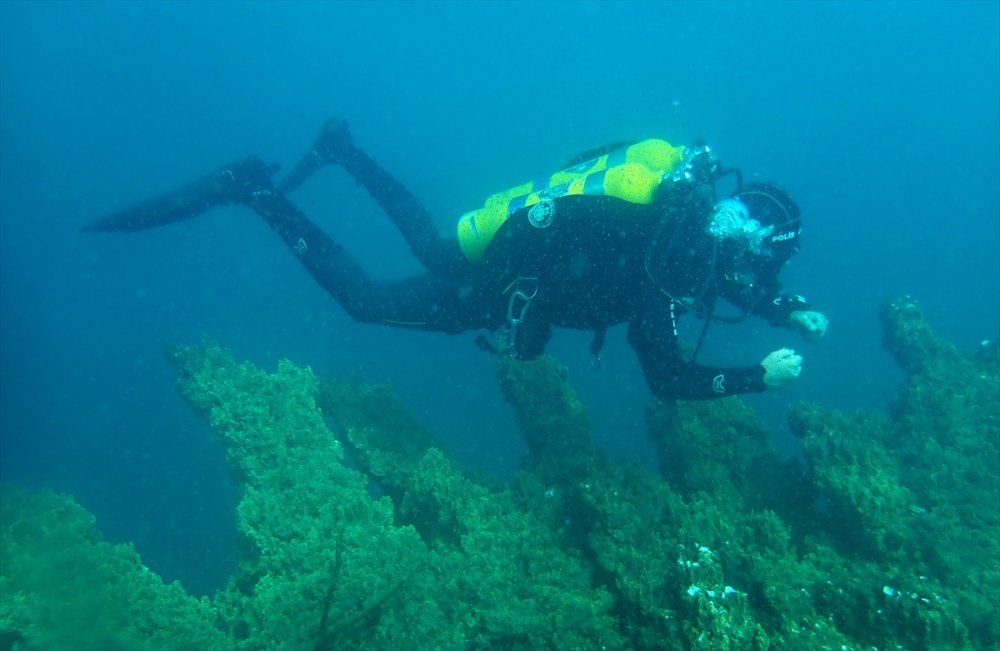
[(630, 232)]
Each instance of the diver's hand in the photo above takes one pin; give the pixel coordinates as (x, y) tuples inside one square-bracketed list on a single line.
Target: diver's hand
[(781, 367), (811, 324)]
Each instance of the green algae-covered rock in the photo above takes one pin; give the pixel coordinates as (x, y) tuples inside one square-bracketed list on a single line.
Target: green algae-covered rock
[(883, 606), (499, 568), (716, 615), (858, 478), (912, 342), (946, 430), (702, 566), (723, 448), (913, 500), (892, 543), (741, 549), (553, 422), (321, 560), (562, 459), (388, 439), (62, 587)]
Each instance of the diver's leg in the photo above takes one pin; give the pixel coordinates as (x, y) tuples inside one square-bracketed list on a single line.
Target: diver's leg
[(439, 256), (233, 183), (329, 146), (334, 145), (424, 302)]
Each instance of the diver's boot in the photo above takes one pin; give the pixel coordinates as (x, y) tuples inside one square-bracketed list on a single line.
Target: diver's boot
[(332, 145), (235, 183)]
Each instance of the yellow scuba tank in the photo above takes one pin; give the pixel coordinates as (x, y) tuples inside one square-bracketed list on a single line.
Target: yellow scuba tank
[(632, 174)]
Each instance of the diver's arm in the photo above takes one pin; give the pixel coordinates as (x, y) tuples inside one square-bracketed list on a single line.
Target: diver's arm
[(793, 312), (653, 335), (779, 308), (787, 310)]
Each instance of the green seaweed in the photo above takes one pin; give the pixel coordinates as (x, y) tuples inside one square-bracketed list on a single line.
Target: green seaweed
[(357, 530), (917, 496), (500, 566), (62, 587)]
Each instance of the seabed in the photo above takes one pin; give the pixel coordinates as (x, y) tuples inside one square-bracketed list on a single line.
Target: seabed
[(887, 538)]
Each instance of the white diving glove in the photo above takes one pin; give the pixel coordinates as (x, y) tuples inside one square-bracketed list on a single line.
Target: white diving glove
[(811, 324), (781, 367)]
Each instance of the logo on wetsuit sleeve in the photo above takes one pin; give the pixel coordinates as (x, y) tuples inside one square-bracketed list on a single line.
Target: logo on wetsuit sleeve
[(719, 383)]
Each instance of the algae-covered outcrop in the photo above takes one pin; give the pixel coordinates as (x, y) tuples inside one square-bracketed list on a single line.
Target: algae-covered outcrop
[(914, 499), (497, 567), (62, 588), (357, 530), (322, 561)]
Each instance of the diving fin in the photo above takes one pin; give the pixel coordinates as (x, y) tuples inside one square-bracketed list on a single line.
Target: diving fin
[(233, 183)]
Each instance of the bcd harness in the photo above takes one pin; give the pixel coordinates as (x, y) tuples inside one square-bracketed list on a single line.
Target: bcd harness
[(632, 173)]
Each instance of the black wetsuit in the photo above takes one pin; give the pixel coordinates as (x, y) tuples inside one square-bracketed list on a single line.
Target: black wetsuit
[(586, 270)]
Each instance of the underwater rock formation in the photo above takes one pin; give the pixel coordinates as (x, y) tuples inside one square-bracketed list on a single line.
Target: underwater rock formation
[(357, 530), (61, 587), (495, 567), (914, 499)]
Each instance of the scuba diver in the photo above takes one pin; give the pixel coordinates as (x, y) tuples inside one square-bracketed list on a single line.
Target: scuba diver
[(631, 232)]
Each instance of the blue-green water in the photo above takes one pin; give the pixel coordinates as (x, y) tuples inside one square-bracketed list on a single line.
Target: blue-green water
[(881, 118)]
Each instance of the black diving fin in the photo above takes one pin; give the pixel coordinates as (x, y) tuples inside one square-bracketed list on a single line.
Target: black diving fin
[(234, 183)]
